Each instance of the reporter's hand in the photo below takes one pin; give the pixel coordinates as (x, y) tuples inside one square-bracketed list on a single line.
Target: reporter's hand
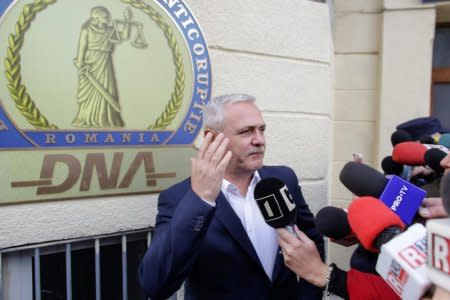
[(302, 257), (208, 167)]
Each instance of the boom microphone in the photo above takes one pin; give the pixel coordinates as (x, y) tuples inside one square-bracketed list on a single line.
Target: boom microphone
[(399, 195), (275, 203), (332, 222), (372, 222)]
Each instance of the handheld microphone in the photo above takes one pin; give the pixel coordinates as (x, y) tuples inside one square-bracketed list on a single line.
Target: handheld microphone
[(372, 222), (275, 203), (426, 139), (390, 167), (433, 159), (400, 136), (399, 195), (438, 265), (332, 222), (402, 263), (413, 153)]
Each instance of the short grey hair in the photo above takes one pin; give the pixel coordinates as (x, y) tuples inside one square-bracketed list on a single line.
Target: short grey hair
[(213, 112)]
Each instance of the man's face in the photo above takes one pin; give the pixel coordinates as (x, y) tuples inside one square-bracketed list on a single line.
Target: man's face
[(445, 163), (244, 126)]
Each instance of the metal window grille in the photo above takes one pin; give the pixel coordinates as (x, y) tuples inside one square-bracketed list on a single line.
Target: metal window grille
[(23, 274)]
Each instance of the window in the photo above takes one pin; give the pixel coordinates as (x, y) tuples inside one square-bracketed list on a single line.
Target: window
[(103, 267), (440, 89)]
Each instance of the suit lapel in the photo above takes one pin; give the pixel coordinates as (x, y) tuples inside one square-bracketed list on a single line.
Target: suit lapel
[(226, 215)]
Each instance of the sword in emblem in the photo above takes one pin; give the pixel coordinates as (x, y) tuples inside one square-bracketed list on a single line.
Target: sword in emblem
[(109, 98)]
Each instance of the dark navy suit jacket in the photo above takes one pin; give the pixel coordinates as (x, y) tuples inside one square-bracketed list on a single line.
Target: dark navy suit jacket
[(209, 249)]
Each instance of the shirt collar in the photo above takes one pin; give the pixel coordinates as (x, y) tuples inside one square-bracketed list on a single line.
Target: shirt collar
[(228, 187)]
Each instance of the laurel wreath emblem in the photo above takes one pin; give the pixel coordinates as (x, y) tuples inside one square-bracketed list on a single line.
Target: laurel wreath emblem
[(23, 100)]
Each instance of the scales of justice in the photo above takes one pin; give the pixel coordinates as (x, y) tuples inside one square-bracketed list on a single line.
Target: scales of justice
[(121, 30)]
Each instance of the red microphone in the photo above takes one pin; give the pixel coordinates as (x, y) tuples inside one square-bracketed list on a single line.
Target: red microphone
[(413, 153), (373, 222), (367, 286)]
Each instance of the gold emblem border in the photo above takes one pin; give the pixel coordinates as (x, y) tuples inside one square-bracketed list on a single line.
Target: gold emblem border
[(23, 100)]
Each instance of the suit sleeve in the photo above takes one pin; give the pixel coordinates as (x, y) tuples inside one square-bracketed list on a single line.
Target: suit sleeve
[(179, 231), (305, 222)]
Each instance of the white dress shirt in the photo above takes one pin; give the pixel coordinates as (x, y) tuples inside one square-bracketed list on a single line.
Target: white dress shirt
[(262, 236)]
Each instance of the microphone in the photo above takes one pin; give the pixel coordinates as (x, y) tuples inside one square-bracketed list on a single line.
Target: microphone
[(426, 139), (433, 159), (402, 263), (438, 264), (401, 196), (413, 153), (372, 222), (390, 167), (362, 180), (275, 203), (332, 222), (400, 136)]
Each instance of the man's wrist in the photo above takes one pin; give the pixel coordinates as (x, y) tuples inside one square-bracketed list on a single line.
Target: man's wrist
[(321, 276)]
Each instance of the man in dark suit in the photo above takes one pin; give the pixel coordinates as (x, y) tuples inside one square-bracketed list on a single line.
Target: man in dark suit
[(209, 232)]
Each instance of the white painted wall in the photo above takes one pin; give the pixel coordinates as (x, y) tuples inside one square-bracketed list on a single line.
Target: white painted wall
[(279, 51)]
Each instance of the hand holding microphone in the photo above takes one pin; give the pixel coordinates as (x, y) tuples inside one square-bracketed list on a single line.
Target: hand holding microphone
[(302, 257), (279, 211)]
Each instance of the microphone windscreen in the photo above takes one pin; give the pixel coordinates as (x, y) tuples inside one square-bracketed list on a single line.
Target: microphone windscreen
[(444, 140), (368, 218), (445, 192), (390, 167), (409, 153), (400, 136), (426, 139), (332, 222), (362, 180), (275, 202), (433, 159)]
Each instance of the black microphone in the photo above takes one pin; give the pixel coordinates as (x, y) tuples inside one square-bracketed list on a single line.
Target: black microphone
[(433, 159), (390, 167), (401, 196), (332, 222), (362, 180), (426, 139), (275, 203), (400, 136)]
